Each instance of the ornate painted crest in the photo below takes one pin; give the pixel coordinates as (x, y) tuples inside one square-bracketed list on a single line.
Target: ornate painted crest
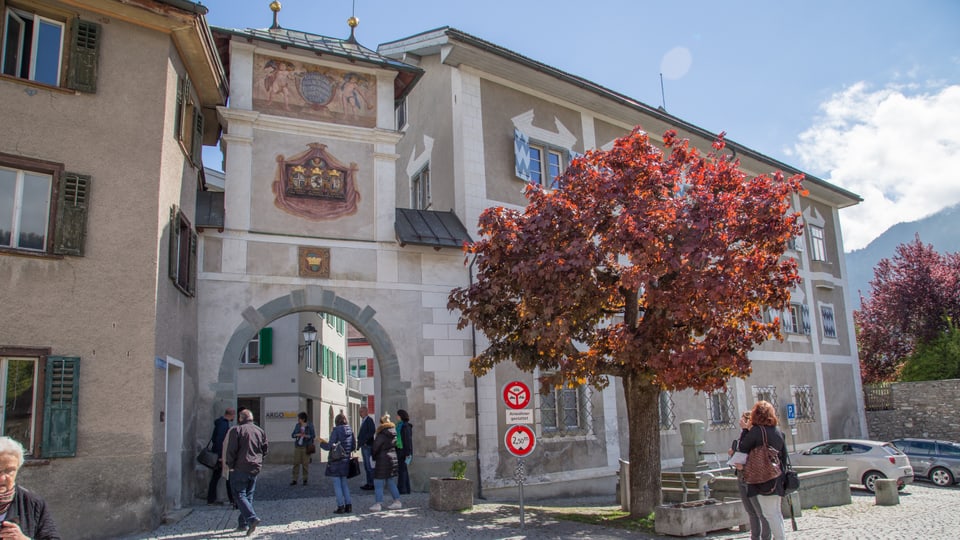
[(315, 185)]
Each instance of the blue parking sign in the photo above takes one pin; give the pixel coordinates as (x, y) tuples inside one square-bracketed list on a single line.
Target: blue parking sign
[(791, 411)]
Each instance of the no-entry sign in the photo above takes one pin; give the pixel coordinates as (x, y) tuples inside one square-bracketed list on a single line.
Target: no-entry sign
[(516, 394), (520, 440)]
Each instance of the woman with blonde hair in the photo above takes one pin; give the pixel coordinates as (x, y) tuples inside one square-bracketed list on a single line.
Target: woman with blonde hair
[(385, 463), (24, 513), (767, 494)]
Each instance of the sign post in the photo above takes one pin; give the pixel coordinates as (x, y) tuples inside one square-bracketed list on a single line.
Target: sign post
[(519, 439), (792, 420)]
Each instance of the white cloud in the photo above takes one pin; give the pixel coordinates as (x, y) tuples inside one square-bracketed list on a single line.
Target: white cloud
[(897, 147)]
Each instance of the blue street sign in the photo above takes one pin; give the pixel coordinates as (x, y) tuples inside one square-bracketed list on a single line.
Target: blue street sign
[(791, 411)]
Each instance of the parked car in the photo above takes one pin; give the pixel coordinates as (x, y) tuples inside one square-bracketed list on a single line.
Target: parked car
[(866, 461), (938, 461)]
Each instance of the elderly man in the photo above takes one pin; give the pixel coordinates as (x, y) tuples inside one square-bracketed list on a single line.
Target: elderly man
[(246, 446), (368, 428), (24, 513)]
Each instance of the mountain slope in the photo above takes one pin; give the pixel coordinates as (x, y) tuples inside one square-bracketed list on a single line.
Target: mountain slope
[(942, 230)]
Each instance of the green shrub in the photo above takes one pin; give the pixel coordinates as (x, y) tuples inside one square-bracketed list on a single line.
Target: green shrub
[(458, 469)]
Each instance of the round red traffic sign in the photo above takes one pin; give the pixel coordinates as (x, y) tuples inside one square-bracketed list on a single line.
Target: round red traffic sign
[(520, 440), (516, 394)]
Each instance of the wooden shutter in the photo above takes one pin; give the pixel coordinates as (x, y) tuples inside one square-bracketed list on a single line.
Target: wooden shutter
[(192, 277), (196, 151), (174, 247), (61, 386), (71, 227), (805, 318), (266, 346), (521, 155), (369, 367), (84, 56)]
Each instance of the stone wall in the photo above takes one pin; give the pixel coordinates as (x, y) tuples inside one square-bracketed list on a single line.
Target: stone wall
[(927, 409)]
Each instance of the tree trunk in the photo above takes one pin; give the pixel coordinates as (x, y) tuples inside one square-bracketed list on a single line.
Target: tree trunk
[(643, 420)]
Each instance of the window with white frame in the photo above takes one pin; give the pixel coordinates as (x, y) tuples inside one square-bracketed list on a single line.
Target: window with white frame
[(546, 165), (401, 114), (361, 368), (765, 393), (827, 321), (790, 320), (818, 246), (803, 401), (31, 220), (44, 46), (720, 407), (251, 353), (420, 189), (566, 412), (665, 411)]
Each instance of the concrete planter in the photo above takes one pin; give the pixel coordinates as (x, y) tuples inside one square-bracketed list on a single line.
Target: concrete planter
[(699, 517), (451, 494)]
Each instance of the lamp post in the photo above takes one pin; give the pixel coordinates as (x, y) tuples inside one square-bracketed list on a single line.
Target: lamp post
[(309, 336)]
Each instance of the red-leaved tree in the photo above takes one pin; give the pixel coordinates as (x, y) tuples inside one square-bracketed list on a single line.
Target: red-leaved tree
[(913, 296), (651, 267)]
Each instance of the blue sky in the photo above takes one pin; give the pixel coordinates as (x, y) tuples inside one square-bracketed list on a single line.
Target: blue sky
[(864, 94)]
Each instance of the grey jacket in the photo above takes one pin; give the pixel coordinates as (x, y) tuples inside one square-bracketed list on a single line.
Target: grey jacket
[(246, 446)]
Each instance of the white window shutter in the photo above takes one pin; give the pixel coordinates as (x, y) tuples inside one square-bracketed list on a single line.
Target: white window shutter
[(521, 150), (805, 315)]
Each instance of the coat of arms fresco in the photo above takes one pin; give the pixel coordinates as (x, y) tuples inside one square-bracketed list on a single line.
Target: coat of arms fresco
[(292, 88), (315, 185)]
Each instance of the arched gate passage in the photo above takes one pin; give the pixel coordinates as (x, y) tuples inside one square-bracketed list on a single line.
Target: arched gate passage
[(393, 391)]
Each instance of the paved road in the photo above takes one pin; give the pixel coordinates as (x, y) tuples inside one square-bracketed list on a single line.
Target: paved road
[(925, 512)]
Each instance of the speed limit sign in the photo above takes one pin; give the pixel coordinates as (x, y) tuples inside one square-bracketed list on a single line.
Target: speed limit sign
[(520, 440)]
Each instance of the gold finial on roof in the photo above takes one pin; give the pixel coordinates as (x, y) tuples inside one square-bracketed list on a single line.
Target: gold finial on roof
[(275, 8)]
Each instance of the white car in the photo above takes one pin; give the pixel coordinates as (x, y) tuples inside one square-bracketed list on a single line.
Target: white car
[(866, 461)]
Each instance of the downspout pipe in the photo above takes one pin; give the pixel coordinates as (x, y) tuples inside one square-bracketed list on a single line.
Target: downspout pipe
[(476, 391)]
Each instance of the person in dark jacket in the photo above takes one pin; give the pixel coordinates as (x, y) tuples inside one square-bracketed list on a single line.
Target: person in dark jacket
[(767, 495), (246, 446), (368, 429), (404, 450), (384, 451), (220, 427), (758, 525), (339, 469), (304, 435), (23, 512)]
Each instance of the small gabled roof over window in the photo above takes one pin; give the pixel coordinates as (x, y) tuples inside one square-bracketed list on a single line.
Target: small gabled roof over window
[(430, 228)]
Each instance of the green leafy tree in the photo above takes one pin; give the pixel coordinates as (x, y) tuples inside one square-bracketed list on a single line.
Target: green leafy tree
[(936, 359), (913, 298), (650, 266)]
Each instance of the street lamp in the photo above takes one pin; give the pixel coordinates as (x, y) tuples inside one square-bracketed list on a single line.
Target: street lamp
[(309, 336)]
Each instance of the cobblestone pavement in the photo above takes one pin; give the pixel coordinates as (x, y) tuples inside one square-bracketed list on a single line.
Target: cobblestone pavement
[(925, 512)]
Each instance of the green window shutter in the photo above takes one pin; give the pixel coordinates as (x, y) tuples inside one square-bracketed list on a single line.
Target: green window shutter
[(192, 278), (339, 368), (178, 111), (71, 227), (84, 56), (196, 153), (174, 253), (326, 361), (266, 346), (61, 385)]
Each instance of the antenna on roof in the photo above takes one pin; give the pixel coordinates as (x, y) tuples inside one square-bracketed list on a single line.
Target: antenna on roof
[(353, 21), (275, 8), (663, 97)]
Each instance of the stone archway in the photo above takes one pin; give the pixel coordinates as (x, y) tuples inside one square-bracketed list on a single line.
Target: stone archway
[(393, 391)]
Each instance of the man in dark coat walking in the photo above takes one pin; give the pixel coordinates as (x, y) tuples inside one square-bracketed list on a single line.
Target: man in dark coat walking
[(220, 427), (246, 446), (365, 440)]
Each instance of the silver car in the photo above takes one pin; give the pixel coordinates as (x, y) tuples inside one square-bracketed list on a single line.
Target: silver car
[(937, 460), (866, 461)]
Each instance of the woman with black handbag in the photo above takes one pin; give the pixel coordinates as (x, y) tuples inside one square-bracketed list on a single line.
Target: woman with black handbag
[(341, 444), (763, 472), (758, 525)]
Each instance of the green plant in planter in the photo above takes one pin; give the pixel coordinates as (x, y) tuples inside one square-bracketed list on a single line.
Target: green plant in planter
[(458, 469)]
